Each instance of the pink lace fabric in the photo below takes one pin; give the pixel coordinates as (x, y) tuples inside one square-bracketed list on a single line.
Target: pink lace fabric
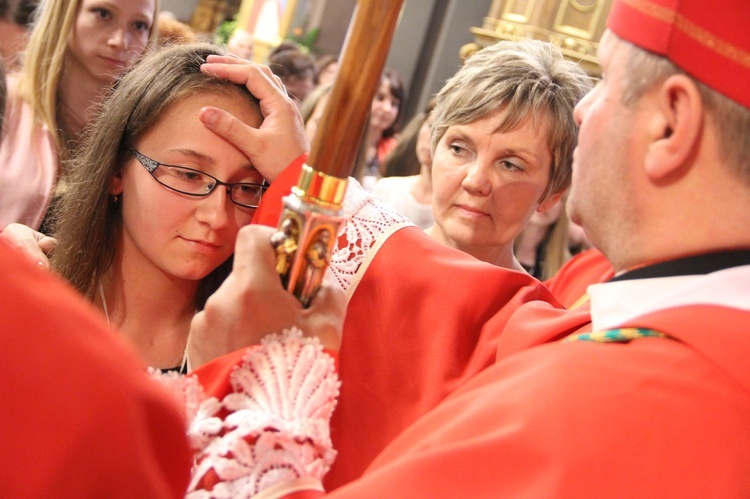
[(272, 429)]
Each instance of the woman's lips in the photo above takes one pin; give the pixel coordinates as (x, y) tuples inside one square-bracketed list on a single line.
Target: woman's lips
[(470, 211)]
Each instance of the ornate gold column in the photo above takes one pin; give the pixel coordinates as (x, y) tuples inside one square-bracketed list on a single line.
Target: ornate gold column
[(207, 15), (573, 25)]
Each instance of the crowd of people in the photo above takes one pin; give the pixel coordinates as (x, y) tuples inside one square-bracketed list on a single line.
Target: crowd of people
[(486, 362)]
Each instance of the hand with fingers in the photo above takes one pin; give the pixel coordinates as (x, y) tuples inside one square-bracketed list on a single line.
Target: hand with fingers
[(35, 245), (252, 303), (281, 137)]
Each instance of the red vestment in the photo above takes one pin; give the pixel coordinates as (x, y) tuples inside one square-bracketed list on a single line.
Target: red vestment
[(655, 417), (571, 281), (79, 417)]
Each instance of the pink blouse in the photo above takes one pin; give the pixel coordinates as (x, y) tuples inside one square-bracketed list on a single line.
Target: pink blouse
[(28, 164)]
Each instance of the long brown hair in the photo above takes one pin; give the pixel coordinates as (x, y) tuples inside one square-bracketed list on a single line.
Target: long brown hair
[(88, 221)]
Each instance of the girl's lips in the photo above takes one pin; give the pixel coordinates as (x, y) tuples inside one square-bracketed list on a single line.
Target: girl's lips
[(114, 63), (202, 246)]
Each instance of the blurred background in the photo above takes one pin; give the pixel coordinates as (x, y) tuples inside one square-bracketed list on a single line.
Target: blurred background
[(432, 37)]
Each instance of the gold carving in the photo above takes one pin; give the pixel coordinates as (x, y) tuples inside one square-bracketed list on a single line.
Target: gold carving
[(573, 25), (468, 50), (207, 15), (518, 10), (578, 20), (583, 8)]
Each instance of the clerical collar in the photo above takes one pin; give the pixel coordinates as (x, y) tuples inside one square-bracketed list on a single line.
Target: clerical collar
[(690, 265)]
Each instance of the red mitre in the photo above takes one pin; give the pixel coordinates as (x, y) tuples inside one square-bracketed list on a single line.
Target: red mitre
[(709, 40)]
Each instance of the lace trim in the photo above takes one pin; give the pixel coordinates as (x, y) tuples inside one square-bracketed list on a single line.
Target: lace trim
[(367, 220), (273, 427)]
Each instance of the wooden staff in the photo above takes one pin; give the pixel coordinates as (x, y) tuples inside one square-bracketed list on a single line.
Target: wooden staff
[(312, 213)]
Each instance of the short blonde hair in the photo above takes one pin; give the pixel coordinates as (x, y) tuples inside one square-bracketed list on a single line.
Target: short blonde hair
[(522, 77)]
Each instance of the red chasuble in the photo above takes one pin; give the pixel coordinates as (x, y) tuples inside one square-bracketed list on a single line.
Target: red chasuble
[(655, 417), (79, 416), (422, 319)]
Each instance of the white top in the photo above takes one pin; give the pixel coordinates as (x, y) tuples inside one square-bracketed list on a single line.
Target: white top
[(395, 192)]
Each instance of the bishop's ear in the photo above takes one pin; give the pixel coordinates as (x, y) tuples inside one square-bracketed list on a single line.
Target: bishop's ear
[(680, 108)]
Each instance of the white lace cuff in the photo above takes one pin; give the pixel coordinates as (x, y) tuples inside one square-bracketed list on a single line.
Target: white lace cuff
[(273, 427), (367, 218)]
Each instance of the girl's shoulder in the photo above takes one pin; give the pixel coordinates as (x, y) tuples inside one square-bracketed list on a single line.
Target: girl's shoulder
[(385, 146)]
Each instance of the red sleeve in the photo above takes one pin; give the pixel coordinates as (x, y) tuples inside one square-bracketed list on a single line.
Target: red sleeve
[(307, 494), (269, 211), (422, 319)]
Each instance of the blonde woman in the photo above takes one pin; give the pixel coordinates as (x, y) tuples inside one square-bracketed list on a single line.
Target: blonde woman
[(76, 50)]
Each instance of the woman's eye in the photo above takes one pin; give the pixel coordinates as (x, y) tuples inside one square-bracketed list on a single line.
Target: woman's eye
[(510, 166), (248, 188), (102, 13), (141, 26), (455, 149)]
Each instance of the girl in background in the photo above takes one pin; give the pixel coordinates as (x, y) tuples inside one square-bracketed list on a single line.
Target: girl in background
[(380, 136), (76, 50), (412, 195)]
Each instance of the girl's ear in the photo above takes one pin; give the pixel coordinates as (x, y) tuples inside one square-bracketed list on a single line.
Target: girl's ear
[(115, 186)]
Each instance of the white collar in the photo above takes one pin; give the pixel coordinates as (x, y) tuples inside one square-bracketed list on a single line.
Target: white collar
[(614, 303)]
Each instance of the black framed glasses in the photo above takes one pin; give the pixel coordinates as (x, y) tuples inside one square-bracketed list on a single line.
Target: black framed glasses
[(197, 183)]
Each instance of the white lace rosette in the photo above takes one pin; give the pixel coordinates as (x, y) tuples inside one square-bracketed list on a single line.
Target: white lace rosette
[(273, 429)]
